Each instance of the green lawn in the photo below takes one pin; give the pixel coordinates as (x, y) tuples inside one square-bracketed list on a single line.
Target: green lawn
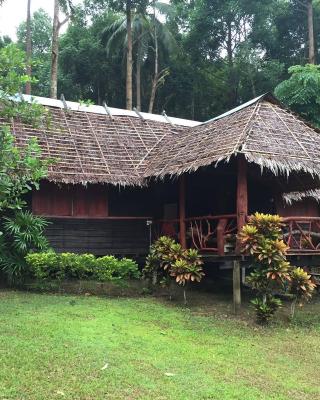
[(55, 347)]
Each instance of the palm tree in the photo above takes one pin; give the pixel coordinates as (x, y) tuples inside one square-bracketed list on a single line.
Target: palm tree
[(144, 38), (129, 54)]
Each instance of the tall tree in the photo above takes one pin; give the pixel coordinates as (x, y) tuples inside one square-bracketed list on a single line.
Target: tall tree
[(28, 47), (149, 36), (57, 25), (41, 28), (312, 54), (129, 56), (155, 79)]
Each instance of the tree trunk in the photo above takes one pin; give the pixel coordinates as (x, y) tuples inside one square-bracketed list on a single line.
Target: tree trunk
[(185, 301), (229, 44), (293, 307), (312, 56), (138, 77), (232, 79), (55, 51), (28, 47), (129, 57), (156, 63)]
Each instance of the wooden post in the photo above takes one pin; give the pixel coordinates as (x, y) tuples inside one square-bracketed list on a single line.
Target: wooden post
[(236, 287), (242, 195), (182, 211), (220, 235)]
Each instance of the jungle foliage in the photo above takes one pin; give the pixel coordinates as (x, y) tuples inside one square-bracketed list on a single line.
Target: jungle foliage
[(211, 54), (20, 169)]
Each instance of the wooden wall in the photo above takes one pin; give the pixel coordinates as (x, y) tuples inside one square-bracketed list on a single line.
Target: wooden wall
[(81, 221), (304, 208), (100, 237), (70, 200)]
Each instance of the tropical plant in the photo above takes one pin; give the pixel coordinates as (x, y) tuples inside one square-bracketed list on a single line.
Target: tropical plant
[(262, 238), (301, 287), (148, 33), (19, 233), (265, 309), (20, 169), (301, 92), (168, 259)]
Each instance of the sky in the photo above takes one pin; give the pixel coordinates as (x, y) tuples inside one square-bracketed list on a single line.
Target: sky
[(15, 11)]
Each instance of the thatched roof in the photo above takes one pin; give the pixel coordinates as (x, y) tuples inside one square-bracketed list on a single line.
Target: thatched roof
[(91, 146), (293, 197), (262, 130)]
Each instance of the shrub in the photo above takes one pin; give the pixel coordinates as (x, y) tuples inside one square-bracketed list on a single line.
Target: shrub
[(262, 238), (53, 266), (301, 287), (168, 259), (265, 309)]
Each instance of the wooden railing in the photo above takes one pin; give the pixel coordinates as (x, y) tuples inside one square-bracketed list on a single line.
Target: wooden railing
[(302, 234), (215, 234)]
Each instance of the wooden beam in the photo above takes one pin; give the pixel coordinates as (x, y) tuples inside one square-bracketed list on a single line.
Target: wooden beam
[(182, 211), (242, 195), (236, 287)]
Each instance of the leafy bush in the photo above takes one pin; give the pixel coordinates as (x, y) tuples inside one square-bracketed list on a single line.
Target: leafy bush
[(21, 169), (301, 287), (265, 309), (53, 266), (262, 238), (168, 259)]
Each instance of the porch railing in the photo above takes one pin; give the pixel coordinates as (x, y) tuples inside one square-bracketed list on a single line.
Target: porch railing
[(217, 234), (302, 234)]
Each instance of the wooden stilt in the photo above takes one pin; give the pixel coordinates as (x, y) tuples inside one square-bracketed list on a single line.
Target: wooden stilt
[(182, 211), (242, 195), (236, 287)]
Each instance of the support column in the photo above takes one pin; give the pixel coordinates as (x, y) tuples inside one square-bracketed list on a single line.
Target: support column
[(242, 195), (236, 287), (182, 211)]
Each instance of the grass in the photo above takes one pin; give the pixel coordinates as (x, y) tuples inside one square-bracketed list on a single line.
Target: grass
[(55, 347)]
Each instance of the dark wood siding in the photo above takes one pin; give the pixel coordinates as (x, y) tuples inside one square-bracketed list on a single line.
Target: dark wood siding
[(303, 208), (99, 237), (70, 200)]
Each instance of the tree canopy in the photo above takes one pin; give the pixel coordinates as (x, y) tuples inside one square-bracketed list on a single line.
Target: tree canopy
[(224, 52)]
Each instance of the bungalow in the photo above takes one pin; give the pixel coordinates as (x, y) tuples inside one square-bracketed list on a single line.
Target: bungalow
[(121, 178)]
